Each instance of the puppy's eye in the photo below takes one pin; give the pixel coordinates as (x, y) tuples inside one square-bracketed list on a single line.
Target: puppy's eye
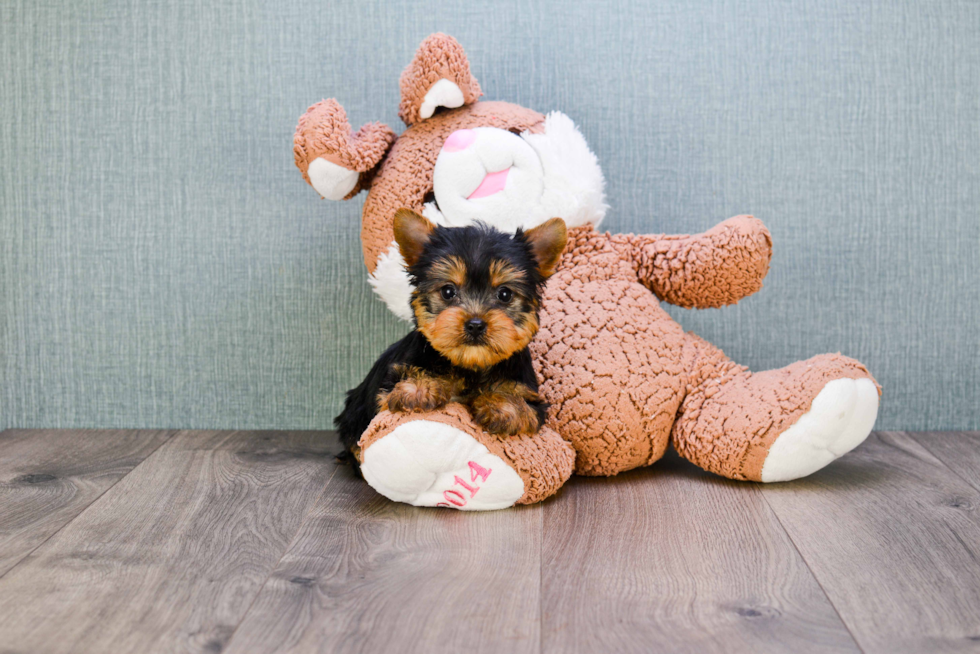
[(447, 292), (504, 294)]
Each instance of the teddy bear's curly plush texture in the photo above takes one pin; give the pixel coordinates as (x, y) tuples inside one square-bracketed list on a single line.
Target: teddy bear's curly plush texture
[(723, 399), (622, 378), (439, 57), (720, 267), (324, 132), (610, 359)]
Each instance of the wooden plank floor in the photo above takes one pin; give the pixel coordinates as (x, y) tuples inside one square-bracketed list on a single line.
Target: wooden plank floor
[(48, 477), (130, 541)]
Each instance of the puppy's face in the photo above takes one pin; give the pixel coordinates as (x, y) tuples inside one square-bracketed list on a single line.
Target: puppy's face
[(476, 312), (476, 290)]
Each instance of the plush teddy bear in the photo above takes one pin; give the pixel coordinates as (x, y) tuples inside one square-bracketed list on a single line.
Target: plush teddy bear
[(622, 377)]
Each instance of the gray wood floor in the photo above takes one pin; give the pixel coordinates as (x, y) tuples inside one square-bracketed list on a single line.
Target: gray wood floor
[(154, 541)]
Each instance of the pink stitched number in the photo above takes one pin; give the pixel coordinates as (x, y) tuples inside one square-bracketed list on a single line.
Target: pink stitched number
[(478, 471), (462, 499), (471, 489)]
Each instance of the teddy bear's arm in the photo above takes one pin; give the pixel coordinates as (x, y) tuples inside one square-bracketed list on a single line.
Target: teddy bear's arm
[(708, 270), (335, 160)]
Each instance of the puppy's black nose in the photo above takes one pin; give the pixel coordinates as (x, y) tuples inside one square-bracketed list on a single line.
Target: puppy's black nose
[(476, 326)]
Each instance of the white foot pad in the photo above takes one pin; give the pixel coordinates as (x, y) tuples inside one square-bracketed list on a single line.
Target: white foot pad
[(426, 463), (330, 180), (839, 420)]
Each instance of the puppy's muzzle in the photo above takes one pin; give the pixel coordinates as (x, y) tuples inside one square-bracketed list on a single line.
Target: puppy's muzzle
[(475, 328)]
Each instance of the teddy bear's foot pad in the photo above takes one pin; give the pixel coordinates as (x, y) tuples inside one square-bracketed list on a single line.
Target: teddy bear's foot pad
[(427, 463), (839, 419)]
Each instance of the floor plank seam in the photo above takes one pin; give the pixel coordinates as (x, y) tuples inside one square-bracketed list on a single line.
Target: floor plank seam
[(541, 578), (938, 457), (286, 550), (172, 433), (812, 572)]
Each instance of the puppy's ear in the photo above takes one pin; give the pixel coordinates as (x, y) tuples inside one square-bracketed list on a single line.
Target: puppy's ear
[(547, 242), (412, 232)]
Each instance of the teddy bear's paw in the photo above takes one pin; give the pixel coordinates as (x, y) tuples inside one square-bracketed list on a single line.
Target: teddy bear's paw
[(331, 181), (839, 419), (331, 157), (427, 463)]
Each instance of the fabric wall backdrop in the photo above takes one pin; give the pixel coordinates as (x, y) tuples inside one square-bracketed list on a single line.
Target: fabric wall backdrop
[(163, 263)]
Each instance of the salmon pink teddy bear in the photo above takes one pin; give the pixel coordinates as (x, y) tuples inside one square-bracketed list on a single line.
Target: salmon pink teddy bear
[(622, 378)]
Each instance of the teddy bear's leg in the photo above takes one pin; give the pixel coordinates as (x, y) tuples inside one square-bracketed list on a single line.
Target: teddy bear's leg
[(775, 425), (444, 459)]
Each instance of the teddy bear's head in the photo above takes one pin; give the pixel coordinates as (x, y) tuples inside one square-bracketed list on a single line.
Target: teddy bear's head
[(460, 161)]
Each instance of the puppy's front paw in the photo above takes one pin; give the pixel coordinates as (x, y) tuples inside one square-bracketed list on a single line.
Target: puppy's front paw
[(418, 394), (504, 414)]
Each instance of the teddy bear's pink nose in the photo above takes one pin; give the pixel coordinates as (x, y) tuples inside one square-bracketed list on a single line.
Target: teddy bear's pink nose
[(459, 140)]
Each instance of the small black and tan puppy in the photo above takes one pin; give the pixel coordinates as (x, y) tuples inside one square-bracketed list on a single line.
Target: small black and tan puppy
[(476, 295)]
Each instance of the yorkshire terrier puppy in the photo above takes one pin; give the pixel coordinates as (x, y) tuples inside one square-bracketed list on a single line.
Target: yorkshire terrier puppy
[(476, 295)]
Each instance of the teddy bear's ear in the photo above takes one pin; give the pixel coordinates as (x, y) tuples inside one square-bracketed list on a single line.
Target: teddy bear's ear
[(334, 161), (439, 76)]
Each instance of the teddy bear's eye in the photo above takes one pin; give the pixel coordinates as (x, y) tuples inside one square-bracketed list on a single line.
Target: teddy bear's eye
[(448, 292), (504, 294)]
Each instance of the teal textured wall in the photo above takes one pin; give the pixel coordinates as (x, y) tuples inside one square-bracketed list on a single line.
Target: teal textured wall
[(163, 264)]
